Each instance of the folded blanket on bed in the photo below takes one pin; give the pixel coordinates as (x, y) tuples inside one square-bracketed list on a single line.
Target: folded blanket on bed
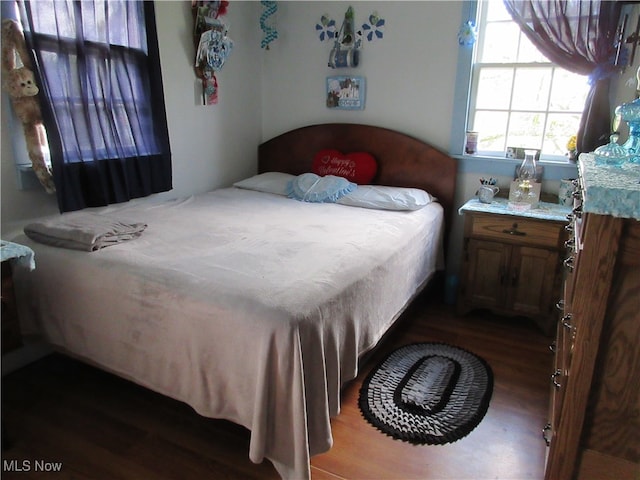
[(83, 231)]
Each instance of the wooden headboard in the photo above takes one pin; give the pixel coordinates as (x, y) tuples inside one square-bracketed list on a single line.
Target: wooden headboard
[(403, 161)]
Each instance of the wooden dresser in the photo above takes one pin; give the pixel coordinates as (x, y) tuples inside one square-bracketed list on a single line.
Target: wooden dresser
[(511, 262), (594, 415)]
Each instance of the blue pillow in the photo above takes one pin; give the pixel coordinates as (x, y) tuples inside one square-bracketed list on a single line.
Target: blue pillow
[(310, 187)]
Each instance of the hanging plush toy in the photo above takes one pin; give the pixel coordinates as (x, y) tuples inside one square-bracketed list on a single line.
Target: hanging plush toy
[(19, 82)]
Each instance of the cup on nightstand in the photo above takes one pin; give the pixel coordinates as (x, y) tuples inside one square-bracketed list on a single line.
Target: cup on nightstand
[(487, 192)]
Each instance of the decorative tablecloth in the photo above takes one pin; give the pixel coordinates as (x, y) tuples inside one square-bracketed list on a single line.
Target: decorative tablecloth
[(610, 190), (18, 254)]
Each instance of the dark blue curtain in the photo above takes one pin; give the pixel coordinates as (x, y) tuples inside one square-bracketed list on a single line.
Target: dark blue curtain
[(579, 36), (98, 67)]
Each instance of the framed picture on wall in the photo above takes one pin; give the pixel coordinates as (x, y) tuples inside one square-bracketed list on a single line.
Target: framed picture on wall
[(346, 92)]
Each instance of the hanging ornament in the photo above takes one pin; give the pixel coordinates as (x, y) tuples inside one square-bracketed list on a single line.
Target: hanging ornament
[(269, 32), (468, 33), (213, 45), (326, 29), (374, 29), (209, 88)]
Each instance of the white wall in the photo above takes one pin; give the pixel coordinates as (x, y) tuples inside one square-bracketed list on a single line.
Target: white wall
[(409, 73), (212, 146)]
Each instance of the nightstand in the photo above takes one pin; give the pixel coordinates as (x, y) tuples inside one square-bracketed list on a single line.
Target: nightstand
[(11, 253), (511, 260)]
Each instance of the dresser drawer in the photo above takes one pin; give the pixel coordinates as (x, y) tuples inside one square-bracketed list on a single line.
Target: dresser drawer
[(522, 231)]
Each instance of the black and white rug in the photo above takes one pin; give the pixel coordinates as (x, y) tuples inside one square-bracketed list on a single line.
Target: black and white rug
[(427, 393)]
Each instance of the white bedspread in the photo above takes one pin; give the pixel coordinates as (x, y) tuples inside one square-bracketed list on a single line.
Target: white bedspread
[(248, 306)]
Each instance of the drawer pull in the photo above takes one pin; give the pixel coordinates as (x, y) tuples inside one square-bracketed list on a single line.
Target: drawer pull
[(560, 305), (568, 263), (577, 212), (514, 231), (552, 347), (570, 244), (546, 429), (566, 321), (569, 227), (555, 375)]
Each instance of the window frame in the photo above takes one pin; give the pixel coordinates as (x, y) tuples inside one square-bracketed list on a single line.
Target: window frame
[(555, 168)]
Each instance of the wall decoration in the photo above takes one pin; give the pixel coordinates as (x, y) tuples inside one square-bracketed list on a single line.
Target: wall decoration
[(213, 45), (345, 92), (347, 42), (373, 30), (267, 23), (345, 51), (468, 32), (326, 29)]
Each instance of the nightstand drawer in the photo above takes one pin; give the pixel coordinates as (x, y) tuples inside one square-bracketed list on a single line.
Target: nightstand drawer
[(522, 231)]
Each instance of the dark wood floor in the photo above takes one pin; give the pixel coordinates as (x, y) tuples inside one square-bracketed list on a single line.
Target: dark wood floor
[(101, 427)]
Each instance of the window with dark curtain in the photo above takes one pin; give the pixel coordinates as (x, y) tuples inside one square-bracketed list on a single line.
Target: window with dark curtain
[(580, 36), (98, 66)]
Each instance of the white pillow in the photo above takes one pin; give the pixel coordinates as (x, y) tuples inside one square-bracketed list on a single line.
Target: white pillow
[(268, 182), (387, 198)]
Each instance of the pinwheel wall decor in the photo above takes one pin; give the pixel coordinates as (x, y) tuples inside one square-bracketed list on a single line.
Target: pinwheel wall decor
[(348, 40)]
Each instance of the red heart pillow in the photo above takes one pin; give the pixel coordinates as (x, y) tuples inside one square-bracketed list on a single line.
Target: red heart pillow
[(357, 167)]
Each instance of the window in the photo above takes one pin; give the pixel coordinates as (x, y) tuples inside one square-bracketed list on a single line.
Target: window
[(518, 98), (99, 70)]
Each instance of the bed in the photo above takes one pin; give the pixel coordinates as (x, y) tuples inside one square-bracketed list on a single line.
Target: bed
[(247, 304)]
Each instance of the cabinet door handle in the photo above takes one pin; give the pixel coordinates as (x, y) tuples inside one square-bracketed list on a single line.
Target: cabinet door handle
[(566, 321), (555, 375), (514, 231), (552, 347), (546, 429), (560, 305)]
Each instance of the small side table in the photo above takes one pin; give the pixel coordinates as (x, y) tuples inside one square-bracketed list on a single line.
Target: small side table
[(511, 260), (10, 254)]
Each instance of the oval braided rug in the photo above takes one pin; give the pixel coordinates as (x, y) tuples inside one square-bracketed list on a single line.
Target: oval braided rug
[(427, 393)]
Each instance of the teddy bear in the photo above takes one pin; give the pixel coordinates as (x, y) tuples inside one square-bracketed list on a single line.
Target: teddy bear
[(20, 84)]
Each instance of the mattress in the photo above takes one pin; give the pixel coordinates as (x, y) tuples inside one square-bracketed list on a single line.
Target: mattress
[(248, 306)]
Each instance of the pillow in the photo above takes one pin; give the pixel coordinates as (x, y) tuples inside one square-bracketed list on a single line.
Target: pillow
[(269, 182), (387, 198), (357, 167), (310, 187)]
